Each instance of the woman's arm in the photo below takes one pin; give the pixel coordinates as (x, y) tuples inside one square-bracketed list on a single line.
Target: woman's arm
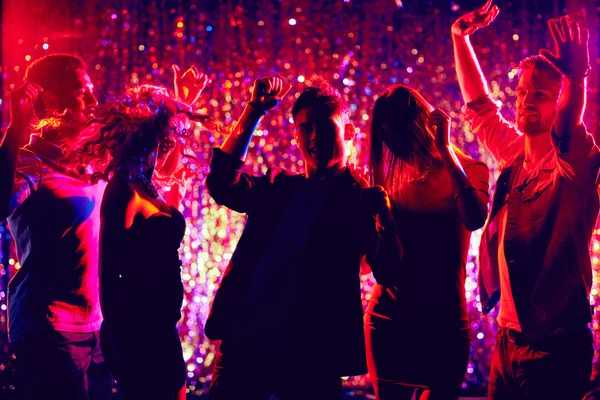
[(21, 111), (471, 201)]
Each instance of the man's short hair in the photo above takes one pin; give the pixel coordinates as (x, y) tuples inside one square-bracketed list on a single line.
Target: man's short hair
[(541, 63), (324, 97), (50, 72)]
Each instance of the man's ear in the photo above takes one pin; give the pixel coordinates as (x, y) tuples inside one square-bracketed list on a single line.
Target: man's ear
[(349, 131), (49, 100)]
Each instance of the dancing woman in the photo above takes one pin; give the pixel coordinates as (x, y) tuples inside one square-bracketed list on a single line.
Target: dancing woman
[(418, 332), (140, 284)]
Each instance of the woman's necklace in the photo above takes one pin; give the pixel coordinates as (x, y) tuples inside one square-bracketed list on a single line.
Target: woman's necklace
[(421, 178), (150, 187)]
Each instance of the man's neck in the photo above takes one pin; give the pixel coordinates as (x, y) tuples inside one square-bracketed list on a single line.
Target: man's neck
[(537, 147), (51, 135)]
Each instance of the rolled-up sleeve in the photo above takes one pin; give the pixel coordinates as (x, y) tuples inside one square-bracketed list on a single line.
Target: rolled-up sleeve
[(577, 158), (499, 136)]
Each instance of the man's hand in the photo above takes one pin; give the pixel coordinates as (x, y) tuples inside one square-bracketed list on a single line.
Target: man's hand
[(22, 100), (470, 22), (378, 203), (268, 92), (571, 55), (189, 86), (439, 123)]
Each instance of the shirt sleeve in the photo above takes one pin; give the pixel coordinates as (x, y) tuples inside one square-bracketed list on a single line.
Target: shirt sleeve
[(381, 246), (478, 175), (233, 189), (577, 158), (28, 177), (499, 136)]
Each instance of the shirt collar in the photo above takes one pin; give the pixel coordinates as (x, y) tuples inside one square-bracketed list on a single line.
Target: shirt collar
[(548, 163), (44, 148)]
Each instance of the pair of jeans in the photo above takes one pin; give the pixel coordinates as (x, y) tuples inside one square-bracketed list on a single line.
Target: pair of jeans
[(61, 365), (557, 367)]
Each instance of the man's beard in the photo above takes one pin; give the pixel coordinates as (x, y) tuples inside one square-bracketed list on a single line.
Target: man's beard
[(535, 128), (74, 132)]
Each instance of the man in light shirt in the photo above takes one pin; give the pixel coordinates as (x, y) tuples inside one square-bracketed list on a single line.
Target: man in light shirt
[(534, 256)]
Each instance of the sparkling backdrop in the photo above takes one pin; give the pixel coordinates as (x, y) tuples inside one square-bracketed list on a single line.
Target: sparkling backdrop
[(359, 46)]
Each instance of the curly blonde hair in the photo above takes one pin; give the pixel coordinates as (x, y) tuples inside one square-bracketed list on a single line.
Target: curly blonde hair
[(129, 127)]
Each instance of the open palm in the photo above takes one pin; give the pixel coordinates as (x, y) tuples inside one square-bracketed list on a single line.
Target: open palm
[(571, 54), (470, 22)]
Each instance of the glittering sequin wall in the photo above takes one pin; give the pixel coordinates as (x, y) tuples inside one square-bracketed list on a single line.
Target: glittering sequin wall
[(359, 46)]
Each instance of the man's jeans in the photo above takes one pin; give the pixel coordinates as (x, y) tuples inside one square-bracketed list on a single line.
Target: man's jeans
[(558, 367)]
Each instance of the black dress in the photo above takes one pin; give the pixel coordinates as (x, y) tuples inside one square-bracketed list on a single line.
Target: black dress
[(143, 295)]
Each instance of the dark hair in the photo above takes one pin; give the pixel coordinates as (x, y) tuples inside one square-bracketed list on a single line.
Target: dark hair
[(326, 97), (540, 62), (131, 126), (51, 72)]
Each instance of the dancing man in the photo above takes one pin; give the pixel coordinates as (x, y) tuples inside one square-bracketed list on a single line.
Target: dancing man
[(290, 299), (534, 256), (53, 213)]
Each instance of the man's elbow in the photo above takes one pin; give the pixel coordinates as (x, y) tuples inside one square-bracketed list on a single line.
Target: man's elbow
[(216, 190), (475, 221)]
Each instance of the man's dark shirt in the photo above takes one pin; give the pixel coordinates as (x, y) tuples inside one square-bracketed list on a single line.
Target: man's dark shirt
[(293, 283)]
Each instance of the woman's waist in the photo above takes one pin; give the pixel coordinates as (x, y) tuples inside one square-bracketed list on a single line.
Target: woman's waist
[(407, 303)]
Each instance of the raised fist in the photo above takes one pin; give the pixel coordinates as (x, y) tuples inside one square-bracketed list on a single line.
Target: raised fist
[(268, 92)]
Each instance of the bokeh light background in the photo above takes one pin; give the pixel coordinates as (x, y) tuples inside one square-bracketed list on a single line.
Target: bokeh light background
[(361, 47)]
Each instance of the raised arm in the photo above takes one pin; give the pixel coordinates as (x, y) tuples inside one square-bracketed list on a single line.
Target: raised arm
[(189, 86), (226, 184), (578, 156), (470, 77), (21, 111), (471, 197), (497, 134), (571, 58), (266, 94)]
